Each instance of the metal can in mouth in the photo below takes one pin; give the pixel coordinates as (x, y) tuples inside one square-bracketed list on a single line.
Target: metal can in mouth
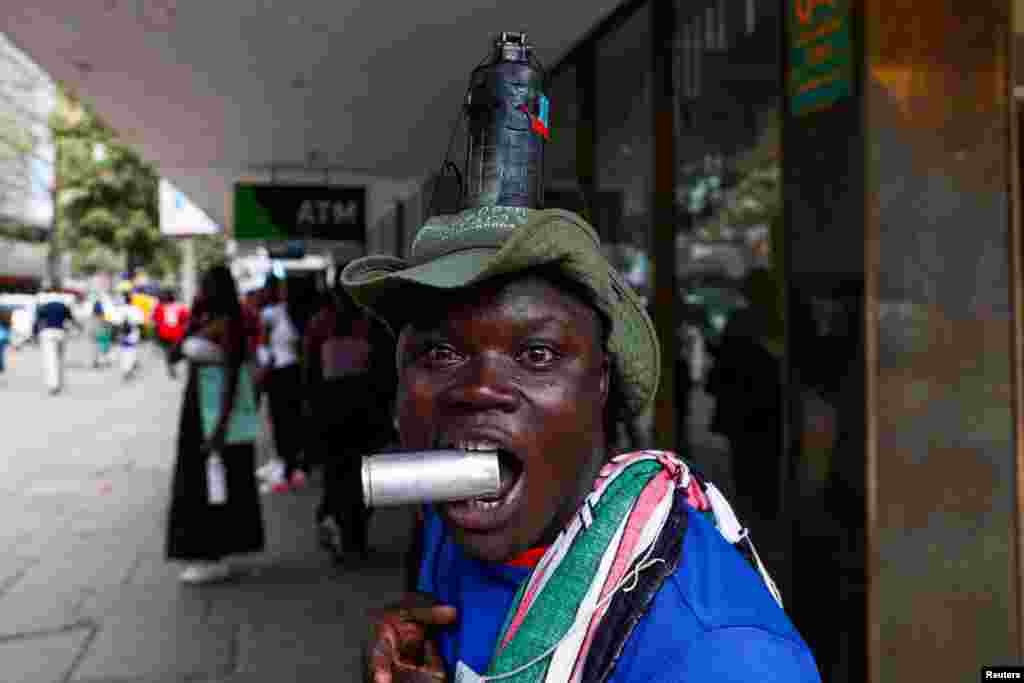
[(431, 476)]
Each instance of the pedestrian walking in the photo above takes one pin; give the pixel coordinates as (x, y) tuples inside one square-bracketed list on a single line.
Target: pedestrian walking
[(171, 320), (283, 384), (353, 409), (5, 337), (132, 319), (320, 328), (52, 319), (102, 333), (207, 522)]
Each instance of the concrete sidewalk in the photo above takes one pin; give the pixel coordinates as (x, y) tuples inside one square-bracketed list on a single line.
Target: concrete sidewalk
[(85, 594)]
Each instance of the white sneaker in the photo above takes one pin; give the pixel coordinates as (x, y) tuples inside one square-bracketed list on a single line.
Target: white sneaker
[(205, 572), (272, 472)]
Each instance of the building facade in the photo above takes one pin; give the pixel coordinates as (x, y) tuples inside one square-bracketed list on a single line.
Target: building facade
[(27, 97)]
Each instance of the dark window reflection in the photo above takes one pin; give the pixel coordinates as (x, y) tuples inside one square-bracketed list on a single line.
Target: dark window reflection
[(562, 188), (729, 203), (622, 201), (784, 435)]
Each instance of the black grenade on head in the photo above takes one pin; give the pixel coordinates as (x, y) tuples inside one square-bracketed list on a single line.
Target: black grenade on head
[(507, 116)]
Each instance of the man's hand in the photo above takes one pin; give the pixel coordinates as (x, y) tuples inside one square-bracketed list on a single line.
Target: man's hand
[(400, 649)]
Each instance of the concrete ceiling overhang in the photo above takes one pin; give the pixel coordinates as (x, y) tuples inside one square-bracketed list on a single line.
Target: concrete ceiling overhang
[(213, 90)]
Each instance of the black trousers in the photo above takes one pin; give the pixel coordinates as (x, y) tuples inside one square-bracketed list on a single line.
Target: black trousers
[(356, 424), (284, 391)]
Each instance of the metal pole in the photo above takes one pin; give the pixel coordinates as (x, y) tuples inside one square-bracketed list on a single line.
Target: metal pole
[(53, 274), (189, 272)]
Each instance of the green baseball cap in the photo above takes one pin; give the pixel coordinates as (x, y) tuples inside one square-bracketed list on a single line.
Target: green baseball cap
[(459, 250)]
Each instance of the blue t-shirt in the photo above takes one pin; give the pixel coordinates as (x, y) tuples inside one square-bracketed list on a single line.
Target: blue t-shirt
[(53, 315), (713, 619)]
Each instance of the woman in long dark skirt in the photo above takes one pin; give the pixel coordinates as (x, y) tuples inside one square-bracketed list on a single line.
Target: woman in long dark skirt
[(199, 532)]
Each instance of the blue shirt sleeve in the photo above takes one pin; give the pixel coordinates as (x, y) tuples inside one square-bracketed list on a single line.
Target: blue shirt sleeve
[(744, 655)]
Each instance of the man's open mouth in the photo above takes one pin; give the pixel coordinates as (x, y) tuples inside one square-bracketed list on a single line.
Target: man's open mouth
[(491, 512)]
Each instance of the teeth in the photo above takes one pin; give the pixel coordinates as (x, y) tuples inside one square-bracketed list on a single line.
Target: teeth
[(484, 504), (477, 446)]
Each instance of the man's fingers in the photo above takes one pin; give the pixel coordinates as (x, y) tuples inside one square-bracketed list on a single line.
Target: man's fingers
[(432, 658), (399, 642), (382, 654)]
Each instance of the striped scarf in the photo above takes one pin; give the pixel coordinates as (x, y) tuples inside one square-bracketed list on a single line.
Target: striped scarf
[(550, 628)]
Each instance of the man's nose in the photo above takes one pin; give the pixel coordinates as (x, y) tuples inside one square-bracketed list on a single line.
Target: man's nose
[(486, 382)]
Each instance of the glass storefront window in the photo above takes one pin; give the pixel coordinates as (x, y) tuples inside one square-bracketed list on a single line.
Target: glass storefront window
[(748, 419), (729, 202), (562, 188), (743, 418), (623, 147)]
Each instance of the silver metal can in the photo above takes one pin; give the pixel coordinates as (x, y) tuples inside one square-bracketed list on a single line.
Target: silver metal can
[(433, 476)]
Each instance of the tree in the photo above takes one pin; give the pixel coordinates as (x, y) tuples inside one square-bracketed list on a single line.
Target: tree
[(210, 251), (108, 211), (756, 199)]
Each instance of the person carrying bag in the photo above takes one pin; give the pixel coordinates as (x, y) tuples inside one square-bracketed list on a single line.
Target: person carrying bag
[(215, 505)]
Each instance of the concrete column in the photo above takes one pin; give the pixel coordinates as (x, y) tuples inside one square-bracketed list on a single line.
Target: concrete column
[(942, 458), (903, 340)]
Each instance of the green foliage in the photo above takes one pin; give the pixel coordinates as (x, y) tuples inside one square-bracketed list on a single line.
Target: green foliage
[(756, 199), (16, 140), (210, 251), (21, 233), (108, 212)]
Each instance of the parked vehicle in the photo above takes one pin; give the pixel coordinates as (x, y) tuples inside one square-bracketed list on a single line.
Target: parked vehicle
[(22, 309)]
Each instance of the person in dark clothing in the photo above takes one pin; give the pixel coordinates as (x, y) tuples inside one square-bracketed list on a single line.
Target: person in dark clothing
[(745, 382), (357, 362), (200, 532), (320, 328), (52, 319)]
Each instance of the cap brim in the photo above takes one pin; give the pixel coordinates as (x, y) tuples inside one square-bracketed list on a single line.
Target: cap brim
[(390, 287), (383, 284)]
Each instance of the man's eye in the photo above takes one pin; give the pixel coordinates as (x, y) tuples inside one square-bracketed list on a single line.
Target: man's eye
[(440, 354), (539, 355)]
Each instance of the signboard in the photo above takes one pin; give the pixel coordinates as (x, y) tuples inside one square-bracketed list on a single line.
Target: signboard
[(820, 54), (299, 212), (179, 217)]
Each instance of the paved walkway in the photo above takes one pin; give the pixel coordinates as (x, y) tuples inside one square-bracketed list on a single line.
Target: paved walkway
[(85, 594)]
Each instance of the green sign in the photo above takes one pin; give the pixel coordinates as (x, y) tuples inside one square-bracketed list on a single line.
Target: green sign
[(820, 54), (299, 212)]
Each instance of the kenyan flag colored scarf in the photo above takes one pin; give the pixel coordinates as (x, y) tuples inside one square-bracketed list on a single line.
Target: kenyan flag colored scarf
[(551, 625)]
